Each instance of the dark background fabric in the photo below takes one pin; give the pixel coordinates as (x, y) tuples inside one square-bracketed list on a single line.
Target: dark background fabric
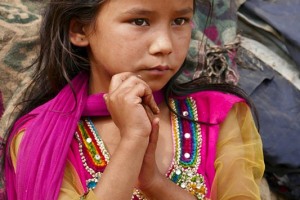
[(284, 16), (278, 104)]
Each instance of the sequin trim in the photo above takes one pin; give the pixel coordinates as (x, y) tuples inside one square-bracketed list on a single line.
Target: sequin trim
[(94, 155), (187, 148), (187, 138)]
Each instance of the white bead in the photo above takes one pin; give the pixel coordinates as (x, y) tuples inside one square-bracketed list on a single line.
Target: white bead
[(185, 113), (178, 171), (187, 135), (187, 155), (97, 157), (183, 185), (89, 140)]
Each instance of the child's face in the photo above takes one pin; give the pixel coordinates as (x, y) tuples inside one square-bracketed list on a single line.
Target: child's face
[(147, 37)]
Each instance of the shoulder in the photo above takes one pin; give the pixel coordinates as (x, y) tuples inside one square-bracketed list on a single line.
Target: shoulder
[(216, 97), (212, 106)]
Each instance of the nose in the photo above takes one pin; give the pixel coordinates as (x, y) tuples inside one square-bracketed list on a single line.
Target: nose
[(161, 43)]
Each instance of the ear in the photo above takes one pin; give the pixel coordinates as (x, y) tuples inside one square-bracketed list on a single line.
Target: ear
[(77, 34)]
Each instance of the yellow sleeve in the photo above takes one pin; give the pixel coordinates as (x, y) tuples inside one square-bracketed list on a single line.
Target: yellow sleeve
[(71, 186), (239, 161), (14, 148)]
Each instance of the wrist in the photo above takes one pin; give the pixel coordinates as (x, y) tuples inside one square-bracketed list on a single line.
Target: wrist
[(164, 189), (154, 188), (134, 135), (134, 143)]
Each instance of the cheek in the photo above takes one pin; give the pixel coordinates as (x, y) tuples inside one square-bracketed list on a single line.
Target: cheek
[(182, 47), (182, 39)]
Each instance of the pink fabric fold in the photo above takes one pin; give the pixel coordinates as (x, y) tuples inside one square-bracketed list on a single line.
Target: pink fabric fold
[(44, 147)]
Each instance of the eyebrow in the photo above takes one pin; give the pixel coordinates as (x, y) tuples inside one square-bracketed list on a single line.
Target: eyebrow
[(185, 11), (141, 11), (138, 11)]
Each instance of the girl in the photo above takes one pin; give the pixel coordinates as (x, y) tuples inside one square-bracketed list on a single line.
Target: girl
[(95, 125)]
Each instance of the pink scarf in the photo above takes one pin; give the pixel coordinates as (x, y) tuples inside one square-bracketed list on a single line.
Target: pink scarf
[(43, 152)]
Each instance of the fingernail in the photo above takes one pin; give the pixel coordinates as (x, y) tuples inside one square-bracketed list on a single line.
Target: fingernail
[(105, 97), (157, 110)]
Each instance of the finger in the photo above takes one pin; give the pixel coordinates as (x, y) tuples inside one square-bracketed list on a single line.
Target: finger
[(150, 152), (155, 131), (127, 80), (129, 97), (146, 94), (149, 100), (118, 79), (149, 113)]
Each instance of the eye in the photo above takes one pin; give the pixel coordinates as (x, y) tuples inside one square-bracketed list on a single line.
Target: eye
[(180, 21), (140, 22)]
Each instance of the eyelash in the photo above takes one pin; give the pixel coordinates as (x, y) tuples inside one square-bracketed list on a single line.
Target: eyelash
[(184, 21), (138, 20), (145, 22)]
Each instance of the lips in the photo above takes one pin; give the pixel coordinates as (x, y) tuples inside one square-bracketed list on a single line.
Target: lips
[(160, 68)]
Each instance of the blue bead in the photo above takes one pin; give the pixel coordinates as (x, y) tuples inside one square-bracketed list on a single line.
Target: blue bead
[(92, 184)]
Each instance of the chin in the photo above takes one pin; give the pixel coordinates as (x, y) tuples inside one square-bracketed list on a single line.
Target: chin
[(155, 88), (157, 85)]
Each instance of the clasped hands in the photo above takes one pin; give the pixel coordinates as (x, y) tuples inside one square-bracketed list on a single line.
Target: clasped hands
[(134, 111)]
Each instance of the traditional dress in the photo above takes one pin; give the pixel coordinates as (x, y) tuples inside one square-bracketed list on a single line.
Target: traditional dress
[(219, 159)]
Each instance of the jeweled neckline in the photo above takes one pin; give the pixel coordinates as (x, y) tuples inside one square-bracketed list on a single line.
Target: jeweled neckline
[(184, 165), (93, 153)]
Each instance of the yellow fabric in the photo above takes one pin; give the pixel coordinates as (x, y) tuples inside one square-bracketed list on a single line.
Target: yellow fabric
[(71, 186), (239, 163)]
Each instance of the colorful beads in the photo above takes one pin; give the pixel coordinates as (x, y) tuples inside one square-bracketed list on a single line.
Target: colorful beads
[(187, 138), (187, 135), (188, 143), (93, 153)]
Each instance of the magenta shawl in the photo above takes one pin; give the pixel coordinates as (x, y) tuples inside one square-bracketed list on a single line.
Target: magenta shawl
[(39, 176)]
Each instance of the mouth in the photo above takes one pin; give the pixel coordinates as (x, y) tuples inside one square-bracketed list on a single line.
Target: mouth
[(158, 70)]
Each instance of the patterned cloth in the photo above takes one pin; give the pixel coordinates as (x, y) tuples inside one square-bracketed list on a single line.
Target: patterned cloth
[(19, 22), (214, 28), (1, 105)]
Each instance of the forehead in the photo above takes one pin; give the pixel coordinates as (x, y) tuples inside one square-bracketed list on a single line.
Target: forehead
[(155, 5)]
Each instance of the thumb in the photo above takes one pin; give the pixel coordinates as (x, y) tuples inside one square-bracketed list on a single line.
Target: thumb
[(153, 137)]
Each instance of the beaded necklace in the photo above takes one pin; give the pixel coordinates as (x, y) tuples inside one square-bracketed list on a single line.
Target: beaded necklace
[(187, 148)]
